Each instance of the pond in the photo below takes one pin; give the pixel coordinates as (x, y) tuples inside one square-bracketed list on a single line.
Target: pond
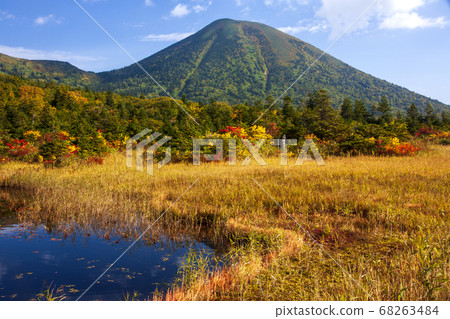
[(32, 259)]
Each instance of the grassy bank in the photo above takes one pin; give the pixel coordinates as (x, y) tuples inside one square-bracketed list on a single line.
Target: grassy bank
[(385, 221)]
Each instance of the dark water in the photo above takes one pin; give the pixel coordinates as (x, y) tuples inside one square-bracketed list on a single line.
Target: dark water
[(33, 259)]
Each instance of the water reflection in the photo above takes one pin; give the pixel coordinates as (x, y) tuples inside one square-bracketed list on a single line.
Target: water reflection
[(34, 257)]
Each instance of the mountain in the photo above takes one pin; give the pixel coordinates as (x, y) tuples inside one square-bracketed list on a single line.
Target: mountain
[(236, 62), (60, 72)]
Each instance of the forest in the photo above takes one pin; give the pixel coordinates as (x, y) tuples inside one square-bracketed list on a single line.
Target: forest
[(57, 124)]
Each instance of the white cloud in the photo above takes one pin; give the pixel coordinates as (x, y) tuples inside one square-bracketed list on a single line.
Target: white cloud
[(5, 15), (282, 4), (47, 19), (288, 4), (202, 7), (199, 8), (311, 27), (245, 11), (169, 37), (411, 21), (386, 14), (403, 14), (180, 10), (401, 5), (149, 3), (285, 2), (341, 14), (31, 54), (293, 30)]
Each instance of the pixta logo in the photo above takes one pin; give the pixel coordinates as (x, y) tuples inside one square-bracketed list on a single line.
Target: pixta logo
[(150, 150), (252, 148)]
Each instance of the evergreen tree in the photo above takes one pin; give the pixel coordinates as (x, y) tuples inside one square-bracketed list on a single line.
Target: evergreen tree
[(269, 100), (109, 99), (220, 115), (184, 99), (123, 110), (288, 110), (318, 99), (372, 115), (59, 100), (289, 114), (445, 120), (272, 115), (360, 113), (3, 120), (48, 122), (17, 120), (413, 119), (385, 110), (431, 118), (347, 110), (320, 118)]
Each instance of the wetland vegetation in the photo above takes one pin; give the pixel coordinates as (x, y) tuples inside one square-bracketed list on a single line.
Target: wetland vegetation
[(385, 220)]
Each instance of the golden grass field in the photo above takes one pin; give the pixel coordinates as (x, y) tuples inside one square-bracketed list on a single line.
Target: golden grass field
[(384, 220)]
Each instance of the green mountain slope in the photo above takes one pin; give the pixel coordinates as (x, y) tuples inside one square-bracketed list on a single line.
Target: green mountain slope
[(237, 62), (60, 72)]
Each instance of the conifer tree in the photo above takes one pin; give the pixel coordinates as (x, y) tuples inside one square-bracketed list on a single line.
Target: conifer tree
[(360, 113), (347, 110), (109, 100), (372, 115), (445, 120), (413, 118), (288, 110), (320, 118), (385, 110), (431, 118)]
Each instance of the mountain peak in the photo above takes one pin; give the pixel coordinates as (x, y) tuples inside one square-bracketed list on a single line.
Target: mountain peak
[(234, 61)]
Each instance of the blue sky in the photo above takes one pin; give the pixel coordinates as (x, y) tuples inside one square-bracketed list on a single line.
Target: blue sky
[(406, 42)]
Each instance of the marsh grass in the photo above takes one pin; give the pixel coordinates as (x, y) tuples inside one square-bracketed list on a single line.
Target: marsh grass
[(51, 293), (384, 220), (127, 296), (195, 267)]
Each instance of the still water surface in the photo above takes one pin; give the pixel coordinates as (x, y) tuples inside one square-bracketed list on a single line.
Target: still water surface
[(31, 259)]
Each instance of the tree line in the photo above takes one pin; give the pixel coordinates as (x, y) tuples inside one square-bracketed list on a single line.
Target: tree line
[(27, 105)]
